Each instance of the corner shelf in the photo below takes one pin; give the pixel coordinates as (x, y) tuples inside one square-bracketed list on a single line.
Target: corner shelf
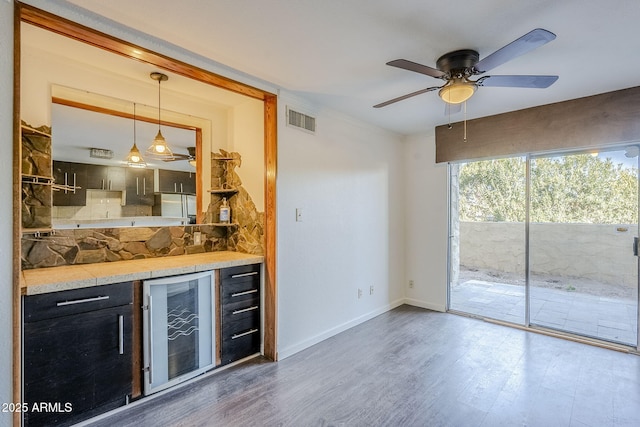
[(223, 190), (37, 179)]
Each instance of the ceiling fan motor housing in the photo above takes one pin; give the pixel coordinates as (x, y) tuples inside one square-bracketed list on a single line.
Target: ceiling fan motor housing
[(458, 63)]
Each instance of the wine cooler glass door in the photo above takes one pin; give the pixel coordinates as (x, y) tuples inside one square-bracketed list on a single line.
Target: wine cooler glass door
[(178, 329)]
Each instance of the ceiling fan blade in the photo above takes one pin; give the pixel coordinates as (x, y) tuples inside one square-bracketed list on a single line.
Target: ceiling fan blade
[(400, 98), (414, 66), (177, 156), (524, 44), (537, 82)]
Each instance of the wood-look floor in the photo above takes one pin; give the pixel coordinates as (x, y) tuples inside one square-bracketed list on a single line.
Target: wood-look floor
[(413, 367)]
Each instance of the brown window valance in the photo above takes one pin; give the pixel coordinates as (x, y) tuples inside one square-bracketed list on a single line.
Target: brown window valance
[(609, 118)]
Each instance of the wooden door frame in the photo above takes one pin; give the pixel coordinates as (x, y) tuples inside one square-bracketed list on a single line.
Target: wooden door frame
[(65, 27)]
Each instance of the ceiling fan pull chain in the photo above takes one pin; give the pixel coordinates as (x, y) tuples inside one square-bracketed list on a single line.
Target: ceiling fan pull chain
[(465, 122)]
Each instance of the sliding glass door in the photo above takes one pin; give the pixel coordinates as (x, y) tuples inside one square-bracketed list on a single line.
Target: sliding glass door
[(583, 221), (548, 241), (487, 223)]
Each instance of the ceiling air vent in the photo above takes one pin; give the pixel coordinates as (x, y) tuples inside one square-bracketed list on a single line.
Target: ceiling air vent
[(301, 121)]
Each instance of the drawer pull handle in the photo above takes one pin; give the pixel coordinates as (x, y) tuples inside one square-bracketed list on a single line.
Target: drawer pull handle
[(253, 273), (238, 294), (82, 301), (249, 332), (244, 310)]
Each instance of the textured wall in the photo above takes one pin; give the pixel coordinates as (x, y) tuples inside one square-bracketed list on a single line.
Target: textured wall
[(594, 251)]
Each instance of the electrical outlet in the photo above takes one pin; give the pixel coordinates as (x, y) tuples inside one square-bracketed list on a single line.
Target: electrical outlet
[(359, 293), (411, 283), (371, 290), (197, 238)]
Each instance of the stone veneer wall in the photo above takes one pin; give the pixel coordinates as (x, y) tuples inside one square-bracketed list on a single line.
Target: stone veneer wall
[(248, 235), (87, 246), (36, 160)]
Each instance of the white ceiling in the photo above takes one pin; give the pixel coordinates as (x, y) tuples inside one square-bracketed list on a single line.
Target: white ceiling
[(333, 52)]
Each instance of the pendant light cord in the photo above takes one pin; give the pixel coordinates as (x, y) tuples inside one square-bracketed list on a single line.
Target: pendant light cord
[(159, 80)]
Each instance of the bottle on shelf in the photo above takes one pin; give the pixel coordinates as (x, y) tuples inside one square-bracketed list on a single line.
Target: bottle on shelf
[(225, 212)]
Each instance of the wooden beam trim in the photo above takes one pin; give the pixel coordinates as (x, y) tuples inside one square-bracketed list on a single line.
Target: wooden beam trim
[(65, 27), (17, 218), (111, 112), (271, 155), (598, 120)]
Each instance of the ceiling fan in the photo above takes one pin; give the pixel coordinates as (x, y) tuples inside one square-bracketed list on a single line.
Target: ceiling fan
[(456, 69), (177, 156)]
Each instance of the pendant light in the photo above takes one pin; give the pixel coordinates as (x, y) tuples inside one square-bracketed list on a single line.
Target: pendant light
[(159, 147), (134, 159)]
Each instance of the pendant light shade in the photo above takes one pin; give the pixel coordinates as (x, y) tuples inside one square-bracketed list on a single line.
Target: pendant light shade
[(159, 148), (134, 159)]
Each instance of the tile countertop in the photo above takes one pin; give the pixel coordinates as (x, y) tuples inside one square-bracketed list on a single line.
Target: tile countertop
[(53, 279)]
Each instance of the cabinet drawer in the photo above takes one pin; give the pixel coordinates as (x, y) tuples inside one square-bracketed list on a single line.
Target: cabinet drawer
[(64, 303), (240, 325), (240, 344), (241, 291), (240, 273), (240, 310)]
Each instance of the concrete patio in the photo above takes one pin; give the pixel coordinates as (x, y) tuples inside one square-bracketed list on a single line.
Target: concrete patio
[(606, 318)]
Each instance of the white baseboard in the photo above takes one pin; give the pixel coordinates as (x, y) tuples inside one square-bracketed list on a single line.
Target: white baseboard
[(293, 349), (425, 304)]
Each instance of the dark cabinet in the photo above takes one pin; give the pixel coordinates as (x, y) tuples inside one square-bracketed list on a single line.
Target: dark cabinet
[(77, 353), (73, 178), (176, 181), (139, 186), (110, 178), (240, 312)]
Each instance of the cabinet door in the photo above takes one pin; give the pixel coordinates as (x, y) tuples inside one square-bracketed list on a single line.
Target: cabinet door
[(116, 179), (189, 183), (81, 362), (111, 178), (139, 187), (176, 181), (73, 175)]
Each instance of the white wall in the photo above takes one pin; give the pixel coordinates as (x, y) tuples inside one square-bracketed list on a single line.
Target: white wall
[(247, 138), (6, 212), (425, 223), (348, 181)]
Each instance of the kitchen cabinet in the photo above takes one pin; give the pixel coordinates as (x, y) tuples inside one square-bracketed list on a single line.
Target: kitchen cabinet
[(77, 353), (111, 178), (176, 181), (240, 312), (139, 186), (74, 176)]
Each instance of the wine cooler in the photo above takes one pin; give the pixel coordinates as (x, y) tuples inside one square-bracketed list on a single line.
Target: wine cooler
[(178, 329)]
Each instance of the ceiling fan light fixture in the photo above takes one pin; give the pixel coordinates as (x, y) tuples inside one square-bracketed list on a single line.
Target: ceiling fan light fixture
[(458, 91)]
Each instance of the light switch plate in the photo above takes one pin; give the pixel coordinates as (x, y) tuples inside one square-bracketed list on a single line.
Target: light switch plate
[(298, 214)]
